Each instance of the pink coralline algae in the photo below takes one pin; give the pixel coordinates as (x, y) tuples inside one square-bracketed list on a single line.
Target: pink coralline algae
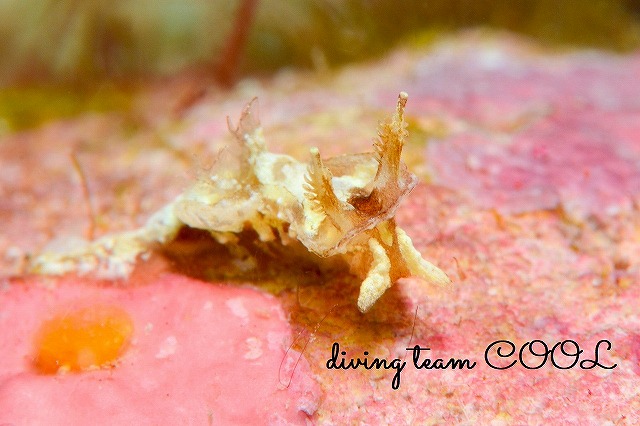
[(534, 133), (569, 160), (528, 165), (199, 354)]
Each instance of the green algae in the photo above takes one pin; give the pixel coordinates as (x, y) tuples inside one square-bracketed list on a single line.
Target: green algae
[(27, 107), (134, 40)]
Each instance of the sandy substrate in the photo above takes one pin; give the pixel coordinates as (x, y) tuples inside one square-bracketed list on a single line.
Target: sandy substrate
[(529, 199)]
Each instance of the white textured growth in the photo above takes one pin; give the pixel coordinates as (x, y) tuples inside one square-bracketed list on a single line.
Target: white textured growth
[(378, 279)]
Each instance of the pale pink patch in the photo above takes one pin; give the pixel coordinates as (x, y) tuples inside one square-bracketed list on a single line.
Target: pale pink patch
[(187, 363)]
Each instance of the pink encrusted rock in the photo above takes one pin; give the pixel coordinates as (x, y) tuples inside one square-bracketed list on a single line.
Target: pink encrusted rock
[(531, 132), (200, 353), (570, 159), (528, 200)]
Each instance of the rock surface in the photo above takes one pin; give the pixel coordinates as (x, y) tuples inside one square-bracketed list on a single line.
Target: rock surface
[(199, 354), (530, 164)]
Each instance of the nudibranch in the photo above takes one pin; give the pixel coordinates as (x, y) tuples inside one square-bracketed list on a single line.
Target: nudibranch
[(342, 206)]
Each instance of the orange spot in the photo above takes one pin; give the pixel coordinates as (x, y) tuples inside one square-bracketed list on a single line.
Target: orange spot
[(82, 339)]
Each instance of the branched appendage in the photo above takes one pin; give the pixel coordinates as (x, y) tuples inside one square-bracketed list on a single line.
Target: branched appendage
[(317, 184), (388, 147), (392, 181), (418, 266), (392, 254), (319, 191), (250, 142), (378, 278), (248, 121), (91, 214)]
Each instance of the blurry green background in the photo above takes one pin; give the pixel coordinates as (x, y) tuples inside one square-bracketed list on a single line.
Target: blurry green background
[(56, 52)]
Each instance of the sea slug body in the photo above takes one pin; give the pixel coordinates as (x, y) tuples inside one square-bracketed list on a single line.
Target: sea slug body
[(342, 206)]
